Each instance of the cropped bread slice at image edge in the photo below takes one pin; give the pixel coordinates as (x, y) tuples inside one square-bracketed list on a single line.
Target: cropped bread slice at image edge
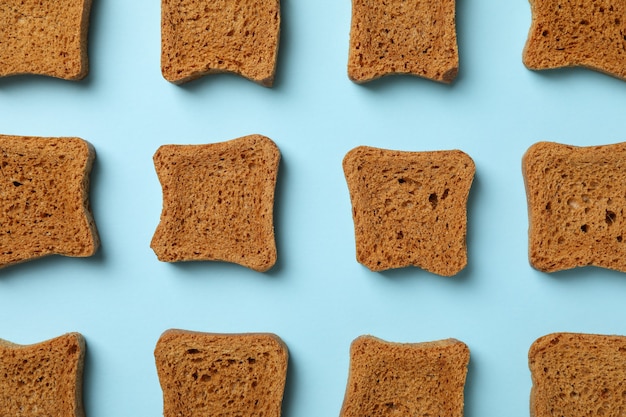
[(221, 374), (409, 208), (578, 33), (200, 38), (576, 374), (45, 38), (576, 206), (43, 379), (218, 202), (44, 207), (414, 37), (406, 379)]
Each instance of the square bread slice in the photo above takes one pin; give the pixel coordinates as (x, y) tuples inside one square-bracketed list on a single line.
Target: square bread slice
[(409, 208), (585, 33), (405, 379), (577, 374), (43, 379), (44, 38), (576, 206), (200, 38), (44, 208), (209, 374), (218, 202), (416, 37)]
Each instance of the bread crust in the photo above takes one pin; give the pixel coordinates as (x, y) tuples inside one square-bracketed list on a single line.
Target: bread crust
[(575, 206)]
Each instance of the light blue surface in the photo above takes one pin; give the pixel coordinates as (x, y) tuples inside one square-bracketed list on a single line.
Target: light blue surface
[(317, 298)]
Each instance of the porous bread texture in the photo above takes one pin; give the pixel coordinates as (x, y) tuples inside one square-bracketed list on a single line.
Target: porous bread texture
[(200, 38), (218, 202), (208, 374), (587, 33), (577, 374), (405, 379), (44, 198), (43, 379), (409, 208), (44, 38), (576, 206), (416, 37)]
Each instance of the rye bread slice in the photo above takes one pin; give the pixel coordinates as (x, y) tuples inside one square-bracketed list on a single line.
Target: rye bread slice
[(405, 379), (416, 37), (44, 38), (572, 33), (218, 202), (409, 208), (576, 206), (577, 374), (208, 374), (44, 204), (43, 379), (200, 38)]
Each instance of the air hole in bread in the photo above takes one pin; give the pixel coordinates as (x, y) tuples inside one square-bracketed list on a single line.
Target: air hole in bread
[(610, 217), (433, 200)]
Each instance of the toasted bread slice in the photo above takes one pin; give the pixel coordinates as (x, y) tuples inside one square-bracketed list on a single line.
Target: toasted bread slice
[(577, 375), (577, 33), (575, 206), (414, 37), (44, 37), (409, 208), (207, 374), (218, 202), (200, 38), (43, 379), (405, 379), (45, 208)]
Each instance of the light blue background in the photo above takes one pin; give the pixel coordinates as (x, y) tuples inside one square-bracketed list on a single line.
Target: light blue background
[(317, 298)]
